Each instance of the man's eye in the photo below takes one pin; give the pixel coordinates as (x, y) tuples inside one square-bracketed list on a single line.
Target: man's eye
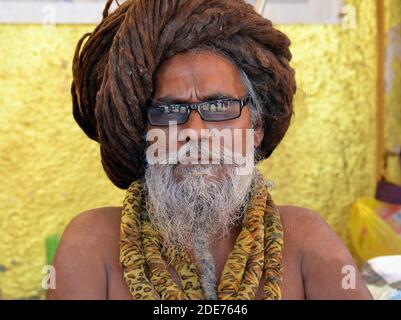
[(173, 109), (210, 107), (218, 106), (221, 106)]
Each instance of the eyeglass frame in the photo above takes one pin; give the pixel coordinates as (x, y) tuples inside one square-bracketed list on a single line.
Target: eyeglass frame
[(196, 106)]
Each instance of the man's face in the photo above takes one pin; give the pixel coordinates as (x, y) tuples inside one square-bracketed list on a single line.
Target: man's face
[(198, 77), (191, 202)]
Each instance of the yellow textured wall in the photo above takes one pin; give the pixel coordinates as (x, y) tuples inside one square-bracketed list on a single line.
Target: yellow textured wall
[(393, 86), (50, 171), (328, 157)]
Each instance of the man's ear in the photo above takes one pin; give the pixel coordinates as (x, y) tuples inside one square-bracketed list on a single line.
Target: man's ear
[(258, 136)]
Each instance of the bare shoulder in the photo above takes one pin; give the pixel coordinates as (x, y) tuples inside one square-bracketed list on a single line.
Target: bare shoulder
[(301, 226), (95, 224), (81, 257), (325, 260), (308, 230), (94, 228), (298, 221)]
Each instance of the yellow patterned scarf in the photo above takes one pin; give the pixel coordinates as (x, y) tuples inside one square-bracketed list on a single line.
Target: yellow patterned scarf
[(256, 253)]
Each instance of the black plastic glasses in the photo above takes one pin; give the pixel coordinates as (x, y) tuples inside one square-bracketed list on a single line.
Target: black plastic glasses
[(160, 114)]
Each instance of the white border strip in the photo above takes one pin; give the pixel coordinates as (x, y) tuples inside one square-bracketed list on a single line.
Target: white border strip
[(300, 11), (45, 12), (76, 12)]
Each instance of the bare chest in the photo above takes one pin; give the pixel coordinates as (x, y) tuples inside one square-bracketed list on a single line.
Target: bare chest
[(292, 282)]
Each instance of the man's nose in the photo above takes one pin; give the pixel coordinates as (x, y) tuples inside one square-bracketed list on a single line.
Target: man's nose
[(196, 124)]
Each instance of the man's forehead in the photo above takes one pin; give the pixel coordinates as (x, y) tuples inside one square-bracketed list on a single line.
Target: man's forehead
[(198, 76)]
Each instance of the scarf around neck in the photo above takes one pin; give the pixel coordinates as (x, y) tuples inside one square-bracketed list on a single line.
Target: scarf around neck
[(256, 255)]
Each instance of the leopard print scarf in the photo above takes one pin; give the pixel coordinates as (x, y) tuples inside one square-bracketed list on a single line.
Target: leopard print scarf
[(256, 253)]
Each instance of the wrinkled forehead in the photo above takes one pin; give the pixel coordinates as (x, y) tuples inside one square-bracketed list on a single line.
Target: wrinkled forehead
[(192, 76)]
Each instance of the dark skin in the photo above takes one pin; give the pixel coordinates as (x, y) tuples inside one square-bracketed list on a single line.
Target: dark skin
[(87, 259)]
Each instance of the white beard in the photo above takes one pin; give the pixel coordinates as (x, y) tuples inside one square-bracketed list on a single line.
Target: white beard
[(203, 205)]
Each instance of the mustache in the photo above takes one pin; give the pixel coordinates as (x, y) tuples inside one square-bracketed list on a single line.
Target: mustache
[(198, 152)]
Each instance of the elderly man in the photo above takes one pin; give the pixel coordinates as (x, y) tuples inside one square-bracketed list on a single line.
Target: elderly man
[(155, 84)]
